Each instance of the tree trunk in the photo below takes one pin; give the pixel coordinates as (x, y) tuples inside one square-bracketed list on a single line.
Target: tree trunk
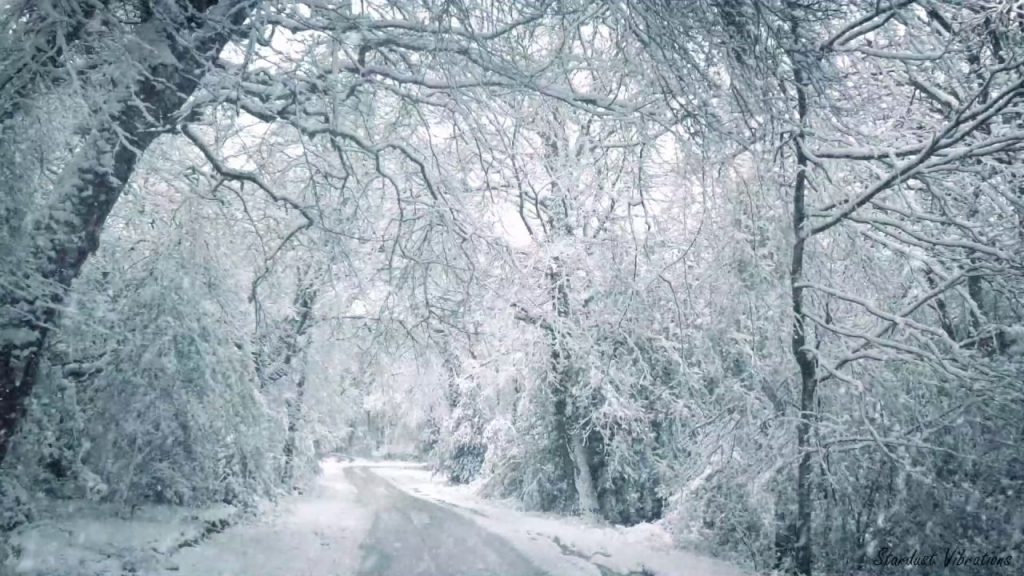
[(801, 348), (452, 368), (583, 476), (294, 407), (57, 247), (575, 454), (296, 346)]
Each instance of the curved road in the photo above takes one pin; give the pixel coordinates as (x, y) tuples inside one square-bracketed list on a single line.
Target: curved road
[(414, 537)]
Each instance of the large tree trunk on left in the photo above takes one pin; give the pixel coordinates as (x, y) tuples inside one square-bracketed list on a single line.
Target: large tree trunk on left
[(52, 254)]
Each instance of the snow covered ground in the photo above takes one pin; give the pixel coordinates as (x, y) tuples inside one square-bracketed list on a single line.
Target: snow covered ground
[(81, 538), (360, 518), (312, 534), (317, 533)]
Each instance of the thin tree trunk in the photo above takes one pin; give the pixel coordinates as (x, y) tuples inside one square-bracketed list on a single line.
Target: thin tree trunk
[(452, 368), (294, 408), (89, 187), (802, 353), (297, 344)]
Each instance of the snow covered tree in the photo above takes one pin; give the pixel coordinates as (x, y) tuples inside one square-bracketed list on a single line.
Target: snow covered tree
[(146, 73), (752, 266)]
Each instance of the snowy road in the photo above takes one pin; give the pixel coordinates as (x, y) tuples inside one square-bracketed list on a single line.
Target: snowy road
[(355, 523), (372, 519), (413, 537)]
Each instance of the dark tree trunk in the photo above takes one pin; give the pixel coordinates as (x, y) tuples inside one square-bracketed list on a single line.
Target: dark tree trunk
[(56, 248), (572, 450), (305, 297), (294, 409), (803, 548), (560, 384)]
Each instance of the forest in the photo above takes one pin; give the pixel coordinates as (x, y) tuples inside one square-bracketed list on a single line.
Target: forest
[(751, 270)]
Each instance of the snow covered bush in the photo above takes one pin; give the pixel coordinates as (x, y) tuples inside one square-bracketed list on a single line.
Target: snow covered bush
[(460, 450), (15, 507), (526, 461), (149, 394)]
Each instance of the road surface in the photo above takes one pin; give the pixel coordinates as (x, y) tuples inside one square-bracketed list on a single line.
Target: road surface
[(352, 522), (414, 537)]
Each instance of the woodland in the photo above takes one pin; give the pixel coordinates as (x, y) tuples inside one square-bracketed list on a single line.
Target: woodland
[(753, 269)]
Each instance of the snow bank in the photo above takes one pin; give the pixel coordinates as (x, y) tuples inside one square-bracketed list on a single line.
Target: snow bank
[(315, 533), (560, 545), (81, 538)]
